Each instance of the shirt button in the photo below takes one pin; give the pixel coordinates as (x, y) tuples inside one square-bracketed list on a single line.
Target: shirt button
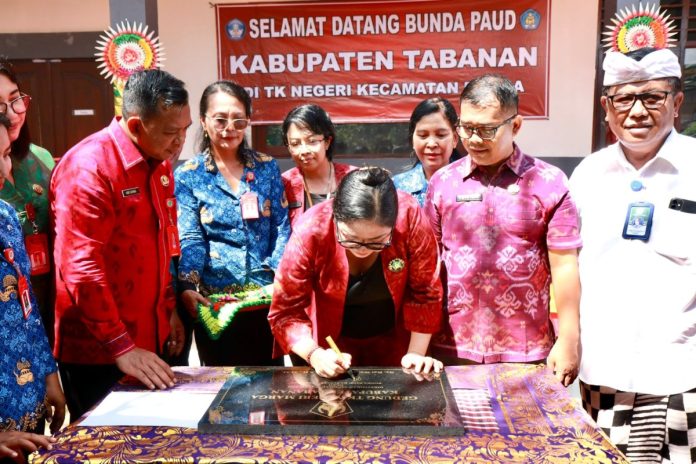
[(490, 210), (243, 247)]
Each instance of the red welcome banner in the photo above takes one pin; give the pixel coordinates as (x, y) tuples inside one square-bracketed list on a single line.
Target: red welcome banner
[(369, 61)]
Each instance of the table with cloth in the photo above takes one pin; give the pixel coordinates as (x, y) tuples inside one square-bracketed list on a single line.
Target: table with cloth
[(512, 413)]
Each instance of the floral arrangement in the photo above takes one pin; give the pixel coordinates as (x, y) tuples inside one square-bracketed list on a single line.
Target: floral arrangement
[(123, 51), (219, 315), (634, 29)]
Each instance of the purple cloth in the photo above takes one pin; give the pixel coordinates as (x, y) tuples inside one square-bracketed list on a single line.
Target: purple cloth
[(535, 421)]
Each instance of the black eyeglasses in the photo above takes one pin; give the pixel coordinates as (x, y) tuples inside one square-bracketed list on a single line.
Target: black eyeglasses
[(220, 124), (352, 244), (650, 100), (484, 132), (19, 105)]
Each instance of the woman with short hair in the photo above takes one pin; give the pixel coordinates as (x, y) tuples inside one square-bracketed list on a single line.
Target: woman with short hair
[(310, 137), (433, 135)]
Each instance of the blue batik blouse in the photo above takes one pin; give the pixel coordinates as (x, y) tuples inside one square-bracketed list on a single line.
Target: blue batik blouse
[(413, 181), (220, 251), (25, 359)]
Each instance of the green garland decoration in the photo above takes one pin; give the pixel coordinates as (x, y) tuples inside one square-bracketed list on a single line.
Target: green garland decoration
[(225, 306)]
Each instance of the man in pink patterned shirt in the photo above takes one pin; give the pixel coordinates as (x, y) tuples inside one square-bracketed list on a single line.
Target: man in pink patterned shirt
[(506, 226)]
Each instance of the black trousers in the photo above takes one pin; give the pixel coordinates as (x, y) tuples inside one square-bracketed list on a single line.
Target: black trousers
[(86, 384), (247, 341)]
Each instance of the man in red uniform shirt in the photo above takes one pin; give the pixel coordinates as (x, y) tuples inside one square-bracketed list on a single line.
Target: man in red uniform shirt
[(113, 207)]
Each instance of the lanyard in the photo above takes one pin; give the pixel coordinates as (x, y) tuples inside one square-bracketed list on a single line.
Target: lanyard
[(22, 284), (31, 216)]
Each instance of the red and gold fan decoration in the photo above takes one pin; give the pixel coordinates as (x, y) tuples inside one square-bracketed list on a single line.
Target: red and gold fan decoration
[(123, 51), (634, 29)]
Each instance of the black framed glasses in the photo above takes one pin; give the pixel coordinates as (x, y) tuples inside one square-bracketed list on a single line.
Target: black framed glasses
[(353, 244), (651, 100), (19, 105), (220, 124), (484, 132)]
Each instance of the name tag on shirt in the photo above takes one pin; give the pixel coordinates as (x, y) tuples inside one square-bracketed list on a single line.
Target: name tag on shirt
[(129, 192), (37, 250), (250, 205), (469, 197), (24, 298), (638, 221)]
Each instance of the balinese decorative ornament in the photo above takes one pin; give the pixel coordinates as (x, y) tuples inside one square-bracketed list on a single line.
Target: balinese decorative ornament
[(123, 51), (634, 29), (396, 265), (219, 315)]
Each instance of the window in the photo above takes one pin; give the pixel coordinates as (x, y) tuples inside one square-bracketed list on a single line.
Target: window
[(380, 140)]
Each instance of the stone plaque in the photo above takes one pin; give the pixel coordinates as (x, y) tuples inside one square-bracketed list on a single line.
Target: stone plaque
[(296, 401)]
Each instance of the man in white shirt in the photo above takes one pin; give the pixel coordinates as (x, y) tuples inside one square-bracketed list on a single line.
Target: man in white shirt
[(637, 204)]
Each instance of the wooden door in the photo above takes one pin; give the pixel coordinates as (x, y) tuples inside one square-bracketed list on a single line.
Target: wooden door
[(35, 79), (70, 101)]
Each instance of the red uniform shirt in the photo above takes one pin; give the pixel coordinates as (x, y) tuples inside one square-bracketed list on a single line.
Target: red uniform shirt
[(294, 189), (312, 278), (110, 211)]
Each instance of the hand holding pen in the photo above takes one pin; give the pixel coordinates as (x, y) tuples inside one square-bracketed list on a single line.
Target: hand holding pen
[(333, 346), (327, 363)]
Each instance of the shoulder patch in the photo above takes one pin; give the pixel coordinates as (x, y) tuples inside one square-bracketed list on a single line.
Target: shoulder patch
[(263, 158), (190, 165)]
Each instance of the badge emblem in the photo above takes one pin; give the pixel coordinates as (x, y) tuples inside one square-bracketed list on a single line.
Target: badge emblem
[(331, 409), (530, 20), (235, 29), (396, 265), (165, 181), (37, 189)]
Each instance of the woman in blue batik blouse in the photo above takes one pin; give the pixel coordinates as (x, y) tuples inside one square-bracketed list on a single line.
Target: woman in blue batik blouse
[(233, 226), (434, 138), (29, 388)]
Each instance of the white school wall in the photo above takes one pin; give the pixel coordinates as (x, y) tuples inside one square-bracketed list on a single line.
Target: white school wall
[(187, 32)]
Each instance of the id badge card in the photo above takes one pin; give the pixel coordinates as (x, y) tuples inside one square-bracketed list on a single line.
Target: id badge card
[(24, 298), (638, 221), (173, 241), (250, 205), (37, 249)]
